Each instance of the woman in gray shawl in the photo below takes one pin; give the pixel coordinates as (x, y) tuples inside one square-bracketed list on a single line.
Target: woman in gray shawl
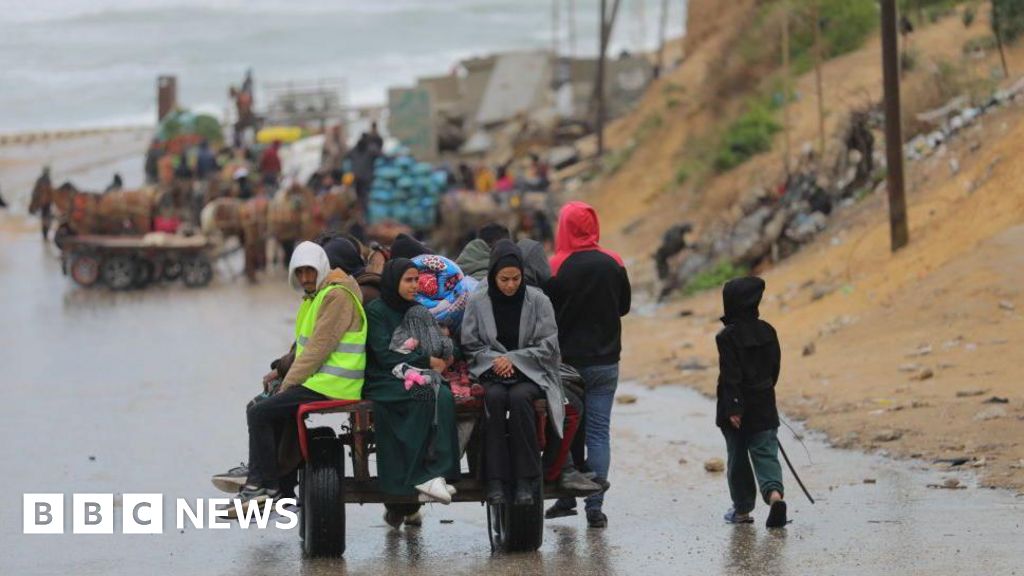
[(511, 339)]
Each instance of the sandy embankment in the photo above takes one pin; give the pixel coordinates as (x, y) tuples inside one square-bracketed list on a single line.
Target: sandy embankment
[(912, 353)]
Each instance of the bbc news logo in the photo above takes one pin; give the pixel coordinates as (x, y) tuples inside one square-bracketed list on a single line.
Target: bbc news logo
[(144, 514)]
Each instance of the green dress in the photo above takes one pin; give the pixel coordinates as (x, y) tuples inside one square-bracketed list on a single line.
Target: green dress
[(402, 424)]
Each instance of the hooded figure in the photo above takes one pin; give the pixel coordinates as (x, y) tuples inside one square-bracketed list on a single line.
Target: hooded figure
[(406, 246), (578, 231), (511, 340), (343, 254), (749, 359), (475, 259), (536, 270), (416, 445), (312, 255)]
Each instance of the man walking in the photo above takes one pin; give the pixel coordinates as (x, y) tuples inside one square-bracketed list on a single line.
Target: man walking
[(590, 292)]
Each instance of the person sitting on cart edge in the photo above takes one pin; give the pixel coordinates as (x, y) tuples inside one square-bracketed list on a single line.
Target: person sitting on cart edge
[(749, 359), (417, 445), (509, 334), (330, 360)]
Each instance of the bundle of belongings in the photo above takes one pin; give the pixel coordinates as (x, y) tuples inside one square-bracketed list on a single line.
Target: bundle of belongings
[(444, 290)]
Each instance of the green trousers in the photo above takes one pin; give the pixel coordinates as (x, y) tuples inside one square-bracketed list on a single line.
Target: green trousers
[(750, 456)]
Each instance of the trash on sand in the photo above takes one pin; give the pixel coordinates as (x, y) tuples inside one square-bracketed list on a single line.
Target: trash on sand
[(969, 393), (626, 399), (923, 374), (888, 436), (714, 465)]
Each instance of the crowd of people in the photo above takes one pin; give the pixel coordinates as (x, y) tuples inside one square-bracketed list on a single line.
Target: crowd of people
[(533, 328)]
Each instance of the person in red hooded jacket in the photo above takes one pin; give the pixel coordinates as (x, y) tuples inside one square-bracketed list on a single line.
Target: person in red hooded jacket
[(590, 292)]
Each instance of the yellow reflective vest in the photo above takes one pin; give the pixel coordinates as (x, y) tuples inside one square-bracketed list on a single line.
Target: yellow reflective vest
[(341, 376)]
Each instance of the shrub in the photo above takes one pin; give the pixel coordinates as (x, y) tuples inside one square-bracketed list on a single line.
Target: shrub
[(715, 277), (749, 135), (1008, 18), (968, 16)]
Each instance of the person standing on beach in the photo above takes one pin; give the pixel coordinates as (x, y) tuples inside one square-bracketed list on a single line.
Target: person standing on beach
[(749, 359), (42, 194), (590, 291)]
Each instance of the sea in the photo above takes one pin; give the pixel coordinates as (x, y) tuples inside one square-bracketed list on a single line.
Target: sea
[(68, 64)]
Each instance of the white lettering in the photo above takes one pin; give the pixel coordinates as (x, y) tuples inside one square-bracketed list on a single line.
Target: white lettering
[(195, 516), (280, 508), (215, 510)]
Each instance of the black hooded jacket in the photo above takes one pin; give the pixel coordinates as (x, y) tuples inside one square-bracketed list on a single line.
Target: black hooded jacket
[(749, 359)]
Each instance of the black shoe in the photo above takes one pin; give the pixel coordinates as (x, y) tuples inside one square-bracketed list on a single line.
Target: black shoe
[(777, 515), (558, 511), (524, 492), (394, 519), (575, 483), (495, 492), (596, 519)]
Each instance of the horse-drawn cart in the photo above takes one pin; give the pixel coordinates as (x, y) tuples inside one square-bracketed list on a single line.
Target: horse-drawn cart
[(325, 485), (125, 262)]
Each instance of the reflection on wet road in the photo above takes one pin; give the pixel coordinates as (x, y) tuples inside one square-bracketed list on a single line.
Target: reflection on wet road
[(144, 392)]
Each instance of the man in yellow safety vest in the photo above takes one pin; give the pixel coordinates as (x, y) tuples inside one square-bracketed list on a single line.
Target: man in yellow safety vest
[(330, 357)]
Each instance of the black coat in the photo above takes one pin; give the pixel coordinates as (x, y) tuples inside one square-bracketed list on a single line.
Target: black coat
[(749, 360)]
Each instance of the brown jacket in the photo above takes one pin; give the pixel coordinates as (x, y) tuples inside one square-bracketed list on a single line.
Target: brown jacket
[(337, 315)]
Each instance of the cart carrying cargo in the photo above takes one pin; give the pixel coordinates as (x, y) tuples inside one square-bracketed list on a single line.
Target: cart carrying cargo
[(325, 486), (125, 262)]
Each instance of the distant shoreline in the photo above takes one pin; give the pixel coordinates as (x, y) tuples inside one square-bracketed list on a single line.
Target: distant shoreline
[(32, 136)]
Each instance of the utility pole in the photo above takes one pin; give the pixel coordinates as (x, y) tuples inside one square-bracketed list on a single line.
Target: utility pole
[(997, 25), (785, 82), (816, 22), (898, 228), (662, 25), (607, 20)]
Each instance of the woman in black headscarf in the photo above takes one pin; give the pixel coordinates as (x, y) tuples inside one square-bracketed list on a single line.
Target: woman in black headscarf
[(511, 339), (413, 454)]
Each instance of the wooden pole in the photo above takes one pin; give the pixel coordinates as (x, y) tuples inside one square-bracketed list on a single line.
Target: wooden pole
[(997, 26), (662, 27), (898, 229), (816, 14), (607, 21), (785, 83)]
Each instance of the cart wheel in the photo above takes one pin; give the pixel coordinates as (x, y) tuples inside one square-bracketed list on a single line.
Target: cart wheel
[(62, 234), (519, 528), (311, 434), (145, 272), (171, 270), (196, 272), (118, 272), (323, 498), (85, 269)]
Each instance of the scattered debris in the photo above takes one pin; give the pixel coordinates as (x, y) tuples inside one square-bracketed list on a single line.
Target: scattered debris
[(980, 462), (923, 374), (969, 393), (953, 462), (997, 400), (910, 367), (447, 521), (692, 365), (683, 461), (922, 350), (992, 413), (870, 481), (1007, 305), (685, 313), (626, 399), (810, 349), (888, 436), (92, 458), (714, 465)]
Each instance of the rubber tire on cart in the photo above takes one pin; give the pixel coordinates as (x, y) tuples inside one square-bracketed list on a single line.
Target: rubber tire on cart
[(145, 273), (322, 513), (311, 433), (519, 528), (85, 269), (171, 269), (196, 272), (62, 233), (118, 272)]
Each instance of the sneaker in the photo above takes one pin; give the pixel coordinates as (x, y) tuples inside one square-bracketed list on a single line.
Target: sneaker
[(575, 483), (252, 495), (731, 517), (524, 493), (596, 519), (558, 511), (777, 515), (495, 492), (231, 481), (394, 519), (414, 519)]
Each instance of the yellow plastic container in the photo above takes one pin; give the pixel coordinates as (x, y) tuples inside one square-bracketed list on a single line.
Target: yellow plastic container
[(286, 134)]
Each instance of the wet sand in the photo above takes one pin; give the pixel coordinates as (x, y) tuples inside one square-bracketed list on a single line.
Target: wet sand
[(152, 386)]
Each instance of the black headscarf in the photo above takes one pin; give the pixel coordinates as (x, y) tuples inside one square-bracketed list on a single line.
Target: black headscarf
[(406, 246), (740, 299), (343, 254), (390, 278), (507, 310)]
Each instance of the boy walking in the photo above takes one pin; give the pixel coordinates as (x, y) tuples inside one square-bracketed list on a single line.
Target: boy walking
[(749, 358)]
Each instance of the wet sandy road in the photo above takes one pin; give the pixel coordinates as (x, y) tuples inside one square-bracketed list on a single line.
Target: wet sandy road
[(143, 392)]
